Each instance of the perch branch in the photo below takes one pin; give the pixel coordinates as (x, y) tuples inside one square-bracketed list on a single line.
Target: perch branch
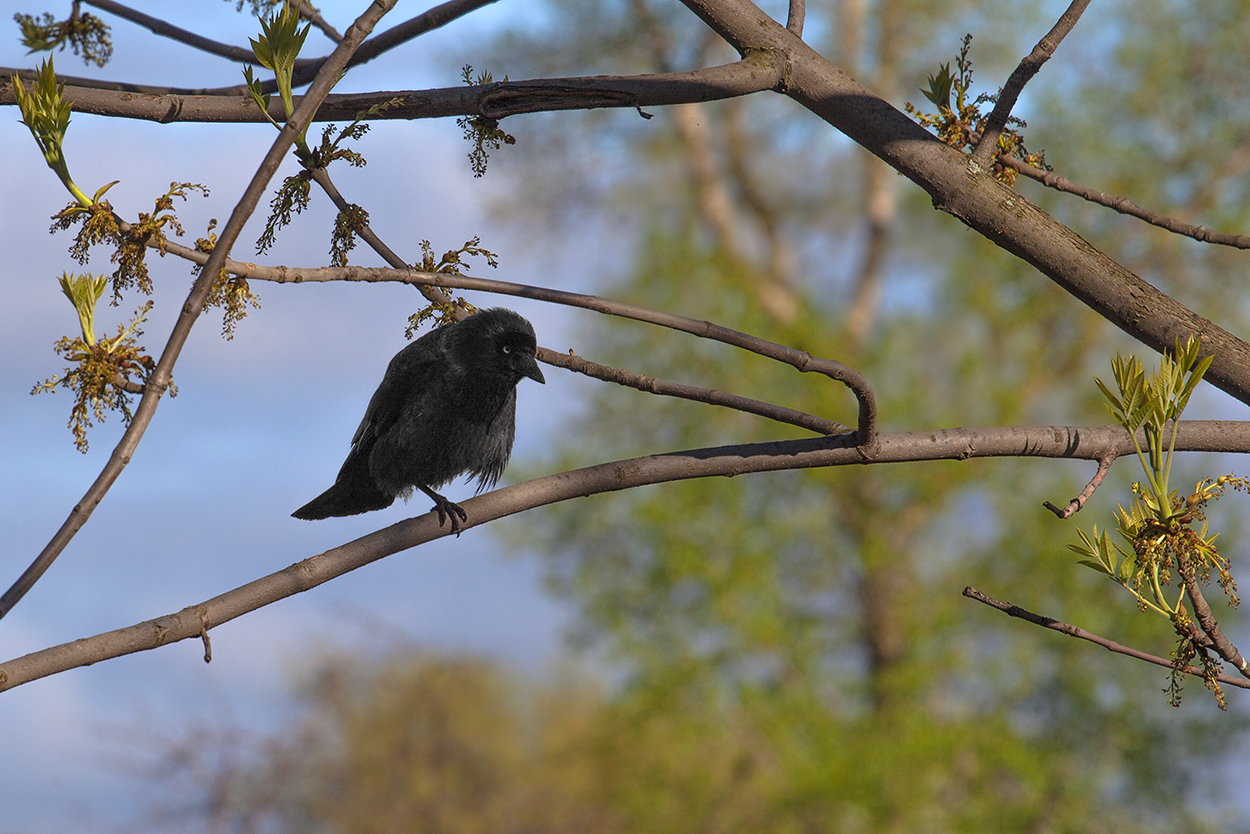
[(944, 444)]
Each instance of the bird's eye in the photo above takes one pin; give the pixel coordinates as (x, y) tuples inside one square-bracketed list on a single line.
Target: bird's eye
[(507, 348)]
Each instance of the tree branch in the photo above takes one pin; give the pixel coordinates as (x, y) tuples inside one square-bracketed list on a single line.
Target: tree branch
[(165, 29), (796, 16), (987, 145), (947, 444), (1081, 634), (1123, 206), (1075, 505), (969, 193), (158, 380), (494, 101), (1210, 626)]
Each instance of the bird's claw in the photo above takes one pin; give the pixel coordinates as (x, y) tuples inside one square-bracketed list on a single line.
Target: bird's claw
[(450, 510)]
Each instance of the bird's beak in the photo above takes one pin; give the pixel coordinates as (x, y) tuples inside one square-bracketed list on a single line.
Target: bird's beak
[(531, 370)]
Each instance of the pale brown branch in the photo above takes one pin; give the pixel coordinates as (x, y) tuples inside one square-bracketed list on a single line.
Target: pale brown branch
[(493, 101), (1123, 206), (1081, 634), (158, 381), (1075, 505), (987, 145), (725, 461)]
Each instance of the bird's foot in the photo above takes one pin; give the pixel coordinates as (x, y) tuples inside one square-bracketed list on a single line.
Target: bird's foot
[(447, 510)]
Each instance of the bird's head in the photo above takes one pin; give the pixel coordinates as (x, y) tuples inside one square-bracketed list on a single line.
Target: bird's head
[(507, 343)]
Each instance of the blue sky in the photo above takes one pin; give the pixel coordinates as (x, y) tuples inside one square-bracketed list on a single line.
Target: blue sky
[(261, 424)]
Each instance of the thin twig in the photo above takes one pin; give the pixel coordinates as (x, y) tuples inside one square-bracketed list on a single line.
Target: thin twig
[(429, 282), (1081, 634), (158, 381), (694, 393), (1123, 206), (1071, 443), (1075, 505), (987, 146)]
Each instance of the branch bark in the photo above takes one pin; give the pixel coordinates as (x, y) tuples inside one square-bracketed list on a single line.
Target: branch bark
[(1071, 443)]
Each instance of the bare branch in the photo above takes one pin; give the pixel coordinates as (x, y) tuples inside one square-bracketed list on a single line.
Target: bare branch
[(945, 444), (970, 193), (1075, 505), (127, 385), (1210, 626), (1123, 206), (313, 16), (987, 145), (427, 21), (654, 385), (796, 16), (1081, 634), (158, 380), (494, 101), (168, 30)]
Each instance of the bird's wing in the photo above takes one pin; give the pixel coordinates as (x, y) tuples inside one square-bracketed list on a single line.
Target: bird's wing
[(412, 369)]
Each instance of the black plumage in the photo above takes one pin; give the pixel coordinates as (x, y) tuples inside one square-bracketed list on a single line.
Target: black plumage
[(446, 407)]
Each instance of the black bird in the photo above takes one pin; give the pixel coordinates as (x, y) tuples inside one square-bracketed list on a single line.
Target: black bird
[(446, 406)]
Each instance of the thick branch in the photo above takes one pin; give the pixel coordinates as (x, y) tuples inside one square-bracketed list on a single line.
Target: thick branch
[(493, 101), (968, 192), (987, 145), (949, 444), (158, 381), (1081, 634)]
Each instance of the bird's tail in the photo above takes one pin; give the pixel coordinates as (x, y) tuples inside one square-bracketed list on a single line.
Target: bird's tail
[(354, 492)]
